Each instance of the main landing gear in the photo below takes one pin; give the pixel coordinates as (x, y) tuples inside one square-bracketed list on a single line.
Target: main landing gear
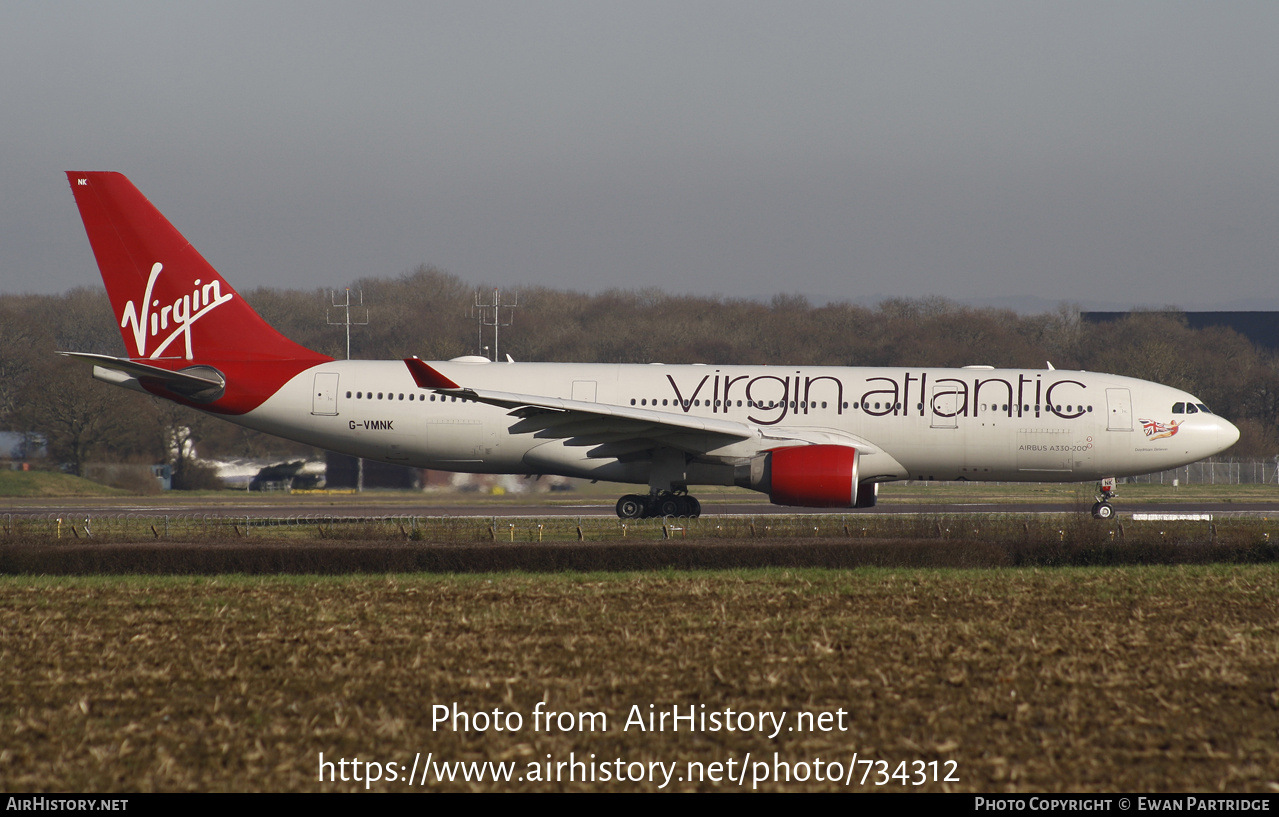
[(661, 503), (1102, 509)]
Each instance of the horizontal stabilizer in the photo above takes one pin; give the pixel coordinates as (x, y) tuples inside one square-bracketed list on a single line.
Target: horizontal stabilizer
[(199, 384)]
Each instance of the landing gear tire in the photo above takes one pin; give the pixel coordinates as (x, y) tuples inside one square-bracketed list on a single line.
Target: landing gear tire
[(694, 507), (631, 507), (670, 506), (1103, 510)]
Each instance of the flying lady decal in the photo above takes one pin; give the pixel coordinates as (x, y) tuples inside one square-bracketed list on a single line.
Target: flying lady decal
[(1156, 430)]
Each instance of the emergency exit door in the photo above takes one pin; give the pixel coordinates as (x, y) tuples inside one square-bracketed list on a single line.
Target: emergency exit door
[(1118, 410), (324, 397)]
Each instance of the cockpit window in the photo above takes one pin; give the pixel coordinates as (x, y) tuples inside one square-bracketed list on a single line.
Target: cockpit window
[(1203, 408), (1178, 408), (1190, 409)]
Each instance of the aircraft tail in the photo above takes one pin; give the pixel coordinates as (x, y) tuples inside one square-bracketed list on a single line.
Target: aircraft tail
[(174, 310)]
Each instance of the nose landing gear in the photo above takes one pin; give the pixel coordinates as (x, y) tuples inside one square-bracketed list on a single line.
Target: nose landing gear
[(1102, 509), (660, 503)]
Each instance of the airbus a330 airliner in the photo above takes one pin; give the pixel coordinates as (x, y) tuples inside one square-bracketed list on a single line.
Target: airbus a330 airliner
[(812, 436)]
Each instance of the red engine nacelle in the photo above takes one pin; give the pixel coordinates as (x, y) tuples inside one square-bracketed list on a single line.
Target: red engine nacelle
[(813, 476)]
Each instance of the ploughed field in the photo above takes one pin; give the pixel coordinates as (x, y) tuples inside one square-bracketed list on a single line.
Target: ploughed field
[(1117, 678)]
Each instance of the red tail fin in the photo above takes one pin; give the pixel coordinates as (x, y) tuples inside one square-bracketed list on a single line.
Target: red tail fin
[(171, 304), (175, 310)]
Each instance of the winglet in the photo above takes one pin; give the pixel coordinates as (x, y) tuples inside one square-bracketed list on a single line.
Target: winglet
[(426, 377)]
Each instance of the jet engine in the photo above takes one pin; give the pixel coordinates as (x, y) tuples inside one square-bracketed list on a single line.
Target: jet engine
[(813, 476)]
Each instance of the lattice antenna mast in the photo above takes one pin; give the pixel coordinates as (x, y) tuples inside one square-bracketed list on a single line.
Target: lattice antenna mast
[(345, 315), (490, 314)]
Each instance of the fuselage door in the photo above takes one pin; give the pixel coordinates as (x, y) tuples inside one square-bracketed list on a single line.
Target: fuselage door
[(1118, 410), (944, 407), (324, 397)]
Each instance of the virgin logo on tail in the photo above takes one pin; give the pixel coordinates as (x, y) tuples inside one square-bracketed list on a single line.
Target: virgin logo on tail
[(155, 319)]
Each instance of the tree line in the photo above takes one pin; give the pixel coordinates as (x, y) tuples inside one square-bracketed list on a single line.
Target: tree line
[(430, 313)]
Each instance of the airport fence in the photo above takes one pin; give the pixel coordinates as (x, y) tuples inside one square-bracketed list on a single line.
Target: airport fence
[(314, 528), (310, 531), (1215, 471)]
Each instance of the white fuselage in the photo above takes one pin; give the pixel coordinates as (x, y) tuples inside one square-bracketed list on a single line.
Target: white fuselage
[(908, 423)]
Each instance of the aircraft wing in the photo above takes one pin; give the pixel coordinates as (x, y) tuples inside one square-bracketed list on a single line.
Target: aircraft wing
[(620, 430)]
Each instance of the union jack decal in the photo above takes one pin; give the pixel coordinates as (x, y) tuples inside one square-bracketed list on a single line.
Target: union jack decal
[(1155, 429)]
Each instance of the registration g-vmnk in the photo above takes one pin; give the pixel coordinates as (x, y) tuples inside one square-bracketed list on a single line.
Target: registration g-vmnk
[(810, 436)]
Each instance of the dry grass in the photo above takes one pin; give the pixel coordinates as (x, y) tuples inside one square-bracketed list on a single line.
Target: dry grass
[(1120, 679), (140, 544)]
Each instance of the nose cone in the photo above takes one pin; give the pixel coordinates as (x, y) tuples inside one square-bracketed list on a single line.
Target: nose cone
[(1227, 434)]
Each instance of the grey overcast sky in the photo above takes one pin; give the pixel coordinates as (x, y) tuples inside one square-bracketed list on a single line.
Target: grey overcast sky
[(1098, 152)]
